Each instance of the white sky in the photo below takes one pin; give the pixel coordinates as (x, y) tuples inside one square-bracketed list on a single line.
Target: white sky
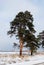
[(8, 10)]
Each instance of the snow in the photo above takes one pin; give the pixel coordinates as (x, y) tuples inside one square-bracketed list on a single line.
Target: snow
[(12, 58)]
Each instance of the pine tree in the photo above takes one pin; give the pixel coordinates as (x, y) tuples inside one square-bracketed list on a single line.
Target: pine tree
[(22, 26), (41, 38), (32, 43)]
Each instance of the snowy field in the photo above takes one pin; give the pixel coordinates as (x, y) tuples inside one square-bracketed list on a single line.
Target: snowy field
[(13, 58)]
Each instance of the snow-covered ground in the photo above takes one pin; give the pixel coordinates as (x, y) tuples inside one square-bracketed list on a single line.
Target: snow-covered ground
[(13, 58)]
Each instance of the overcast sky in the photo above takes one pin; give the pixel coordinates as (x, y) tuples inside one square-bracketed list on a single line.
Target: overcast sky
[(8, 10)]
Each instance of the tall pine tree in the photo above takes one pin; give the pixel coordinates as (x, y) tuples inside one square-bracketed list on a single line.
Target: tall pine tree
[(22, 26)]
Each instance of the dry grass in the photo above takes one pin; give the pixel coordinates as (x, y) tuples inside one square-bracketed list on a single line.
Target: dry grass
[(11, 58)]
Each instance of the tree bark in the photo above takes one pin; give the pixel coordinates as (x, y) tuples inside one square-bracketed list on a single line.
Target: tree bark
[(21, 46), (31, 52)]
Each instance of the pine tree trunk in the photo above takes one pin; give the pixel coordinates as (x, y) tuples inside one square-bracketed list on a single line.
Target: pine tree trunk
[(31, 52), (21, 46)]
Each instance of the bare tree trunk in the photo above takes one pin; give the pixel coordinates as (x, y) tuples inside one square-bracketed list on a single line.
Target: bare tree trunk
[(31, 52), (21, 46)]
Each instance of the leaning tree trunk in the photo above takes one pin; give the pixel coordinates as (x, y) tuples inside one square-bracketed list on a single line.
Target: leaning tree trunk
[(21, 46)]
